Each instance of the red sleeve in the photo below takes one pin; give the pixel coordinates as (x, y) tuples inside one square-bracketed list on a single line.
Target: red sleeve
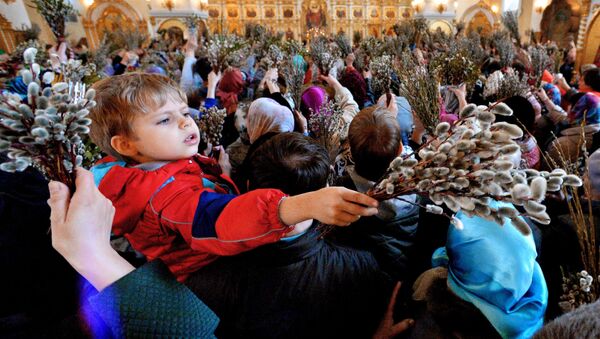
[(222, 224)]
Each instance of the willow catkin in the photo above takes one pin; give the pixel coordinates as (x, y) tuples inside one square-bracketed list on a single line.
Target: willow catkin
[(442, 128), (434, 209), (538, 188), (521, 225), (502, 109), (572, 180), (511, 130), (533, 207), (468, 111), (520, 192), (471, 163)]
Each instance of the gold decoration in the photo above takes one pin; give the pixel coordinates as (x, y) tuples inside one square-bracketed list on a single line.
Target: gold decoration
[(169, 4)]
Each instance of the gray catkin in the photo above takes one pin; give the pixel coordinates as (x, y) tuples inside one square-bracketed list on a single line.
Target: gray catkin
[(538, 188)]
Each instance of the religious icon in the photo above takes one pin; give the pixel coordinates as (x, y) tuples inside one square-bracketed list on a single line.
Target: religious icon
[(232, 12), (390, 14), (374, 13), (341, 13), (315, 16), (288, 13), (289, 34), (213, 13), (269, 13), (251, 13), (358, 13)]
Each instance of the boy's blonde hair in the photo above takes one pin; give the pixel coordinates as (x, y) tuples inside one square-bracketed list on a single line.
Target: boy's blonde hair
[(120, 98)]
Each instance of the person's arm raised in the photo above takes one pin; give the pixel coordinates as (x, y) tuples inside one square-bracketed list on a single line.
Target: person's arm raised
[(81, 227), (213, 81)]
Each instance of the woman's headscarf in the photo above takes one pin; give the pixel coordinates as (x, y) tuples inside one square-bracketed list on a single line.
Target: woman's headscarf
[(312, 98), (355, 83), (494, 268), (230, 86), (266, 115)]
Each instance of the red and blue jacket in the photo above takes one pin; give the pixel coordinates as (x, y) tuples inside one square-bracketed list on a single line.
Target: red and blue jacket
[(183, 212)]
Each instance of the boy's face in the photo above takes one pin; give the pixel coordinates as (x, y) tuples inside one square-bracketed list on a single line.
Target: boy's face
[(166, 134)]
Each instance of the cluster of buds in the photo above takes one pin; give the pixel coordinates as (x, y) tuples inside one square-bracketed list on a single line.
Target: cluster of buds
[(327, 126), (274, 57), (324, 54), (585, 281), (294, 47), (293, 72), (506, 85), (578, 289), (211, 124), (382, 73), (371, 46), (469, 164), (224, 51), (454, 68), (540, 61), (74, 71), (343, 44), (47, 130), (505, 48)]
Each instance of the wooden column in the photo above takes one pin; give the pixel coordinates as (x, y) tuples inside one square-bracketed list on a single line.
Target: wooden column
[(8, 36)]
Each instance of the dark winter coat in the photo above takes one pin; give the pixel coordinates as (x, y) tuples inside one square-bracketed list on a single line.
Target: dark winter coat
[(303, 288), (389, 239)]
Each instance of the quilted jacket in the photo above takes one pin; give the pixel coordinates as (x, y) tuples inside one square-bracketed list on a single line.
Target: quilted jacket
[(180, 212)]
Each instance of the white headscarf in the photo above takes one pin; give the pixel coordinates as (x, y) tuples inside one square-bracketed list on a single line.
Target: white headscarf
[(266, 115)]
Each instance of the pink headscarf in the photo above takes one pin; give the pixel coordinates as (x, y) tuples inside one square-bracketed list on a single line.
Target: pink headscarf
[(312, 98), (267, 115), (231, 84)]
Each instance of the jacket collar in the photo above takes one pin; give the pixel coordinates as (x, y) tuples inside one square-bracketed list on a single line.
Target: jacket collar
[(285, 253)]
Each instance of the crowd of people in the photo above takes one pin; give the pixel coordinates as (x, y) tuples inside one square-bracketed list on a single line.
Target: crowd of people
[(267, 233)]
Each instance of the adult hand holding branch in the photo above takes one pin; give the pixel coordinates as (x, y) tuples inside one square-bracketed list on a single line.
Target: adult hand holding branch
[(81, 227)]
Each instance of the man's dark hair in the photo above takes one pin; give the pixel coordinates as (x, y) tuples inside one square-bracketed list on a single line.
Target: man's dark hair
[(290, 162), (203, 68), (490, 66), (520, 68), (592, 78), (523, 113)]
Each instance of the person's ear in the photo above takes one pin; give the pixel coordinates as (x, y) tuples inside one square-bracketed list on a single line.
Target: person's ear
[(123, 146)]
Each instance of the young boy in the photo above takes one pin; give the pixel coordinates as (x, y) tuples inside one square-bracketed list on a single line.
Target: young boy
[(176, 205), (375, 140)]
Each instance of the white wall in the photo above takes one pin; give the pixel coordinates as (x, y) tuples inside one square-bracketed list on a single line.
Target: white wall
[(511, 5), (15, 13)]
